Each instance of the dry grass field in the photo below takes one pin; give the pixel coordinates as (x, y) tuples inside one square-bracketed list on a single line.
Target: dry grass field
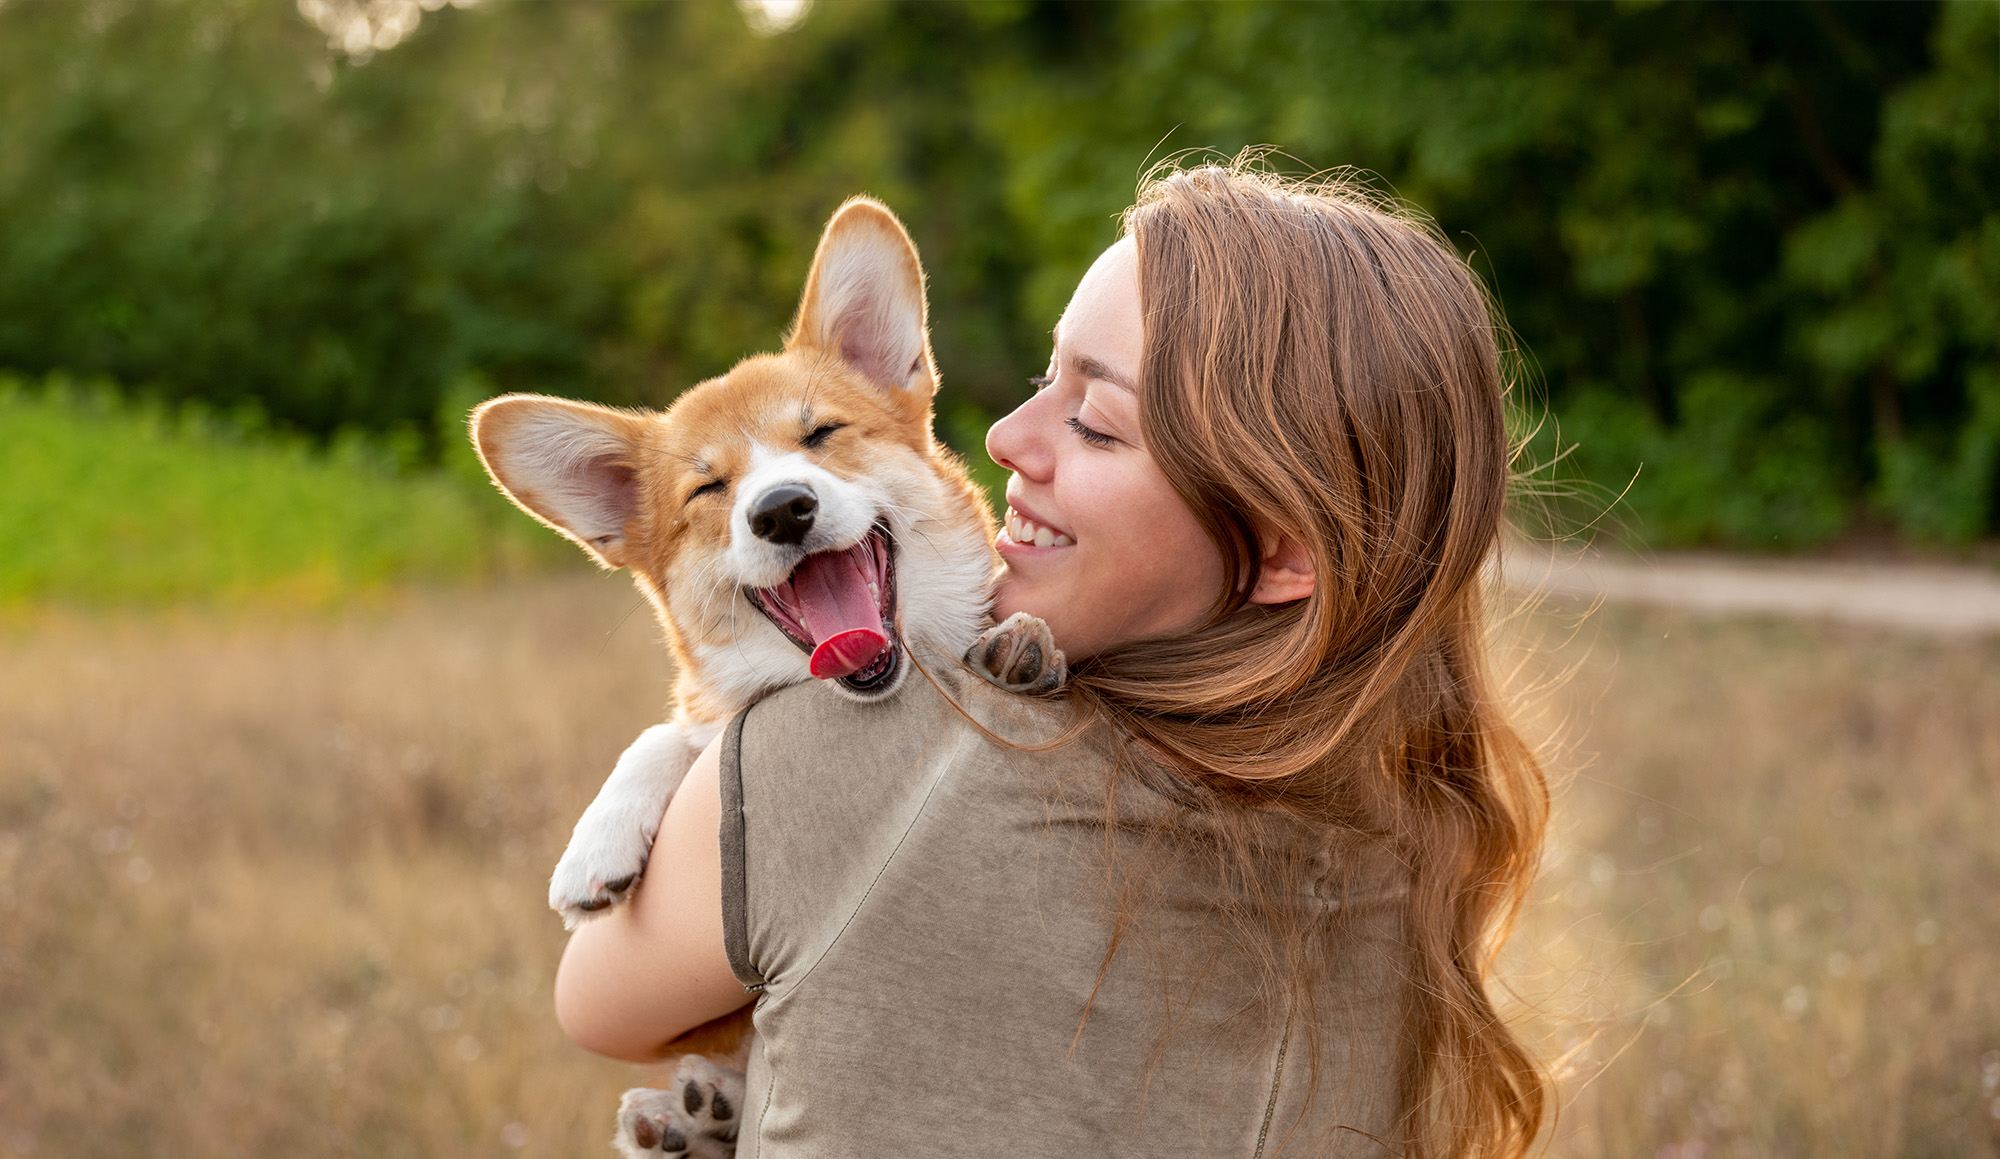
[(273, 886), (1768, 922)]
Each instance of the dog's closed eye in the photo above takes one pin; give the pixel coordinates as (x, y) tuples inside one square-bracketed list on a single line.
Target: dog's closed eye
[(715, 487), (819, 434)]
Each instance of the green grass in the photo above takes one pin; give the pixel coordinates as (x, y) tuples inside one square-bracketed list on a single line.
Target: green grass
[(107, 501)]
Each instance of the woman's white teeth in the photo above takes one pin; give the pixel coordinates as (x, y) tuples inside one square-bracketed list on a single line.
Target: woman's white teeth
[(1024, 531)]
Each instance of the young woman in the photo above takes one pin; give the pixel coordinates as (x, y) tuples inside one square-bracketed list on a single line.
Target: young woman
[(1251, 905)]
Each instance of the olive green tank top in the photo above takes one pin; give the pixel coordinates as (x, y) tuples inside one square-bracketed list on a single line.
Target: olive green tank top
[(924, 915)]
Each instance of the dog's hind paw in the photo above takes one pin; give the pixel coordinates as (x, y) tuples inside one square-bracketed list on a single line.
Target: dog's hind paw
[(1019, 654), (697, 1116)]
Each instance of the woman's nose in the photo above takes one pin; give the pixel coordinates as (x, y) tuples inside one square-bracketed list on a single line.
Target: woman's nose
[(1017, 443)]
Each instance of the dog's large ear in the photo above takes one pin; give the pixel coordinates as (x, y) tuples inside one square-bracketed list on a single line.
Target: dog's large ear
[(568, 464), (864, 300)]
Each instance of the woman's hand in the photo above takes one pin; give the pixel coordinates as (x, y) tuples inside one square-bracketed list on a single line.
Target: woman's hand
[(654, 968)]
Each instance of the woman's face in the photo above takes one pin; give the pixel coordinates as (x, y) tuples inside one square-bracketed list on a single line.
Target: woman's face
[(1096, 542)]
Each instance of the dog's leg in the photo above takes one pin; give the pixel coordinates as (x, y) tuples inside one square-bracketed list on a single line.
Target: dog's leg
[(608, 850), (697, 1116), (1020, 655)]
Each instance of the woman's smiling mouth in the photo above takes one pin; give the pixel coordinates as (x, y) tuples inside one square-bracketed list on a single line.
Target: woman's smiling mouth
[(1027, 533)]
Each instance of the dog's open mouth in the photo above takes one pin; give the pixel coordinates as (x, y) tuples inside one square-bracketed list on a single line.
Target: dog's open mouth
[(839, 607)]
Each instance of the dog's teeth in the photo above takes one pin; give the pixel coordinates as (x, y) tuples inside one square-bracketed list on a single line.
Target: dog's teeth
[(1062, 541), (1044, 537)]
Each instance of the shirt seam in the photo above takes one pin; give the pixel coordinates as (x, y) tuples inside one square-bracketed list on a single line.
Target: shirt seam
[(735, 862), (1277, 1082)]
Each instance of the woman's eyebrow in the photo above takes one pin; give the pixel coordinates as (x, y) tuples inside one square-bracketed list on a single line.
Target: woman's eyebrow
[(1091, 368)]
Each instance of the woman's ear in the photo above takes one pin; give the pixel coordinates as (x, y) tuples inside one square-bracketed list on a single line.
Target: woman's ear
[(1286, 573)]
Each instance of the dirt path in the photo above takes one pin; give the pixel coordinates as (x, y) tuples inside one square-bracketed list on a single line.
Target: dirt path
[(1932, 598)]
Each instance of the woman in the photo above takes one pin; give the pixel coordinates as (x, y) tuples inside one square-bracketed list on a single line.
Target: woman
[(1250, 904)]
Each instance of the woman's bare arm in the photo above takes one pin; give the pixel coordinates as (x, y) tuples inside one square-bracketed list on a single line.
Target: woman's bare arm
[(655, 967)]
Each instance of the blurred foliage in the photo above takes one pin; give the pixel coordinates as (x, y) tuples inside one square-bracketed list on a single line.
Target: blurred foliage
[(1751, 246), (104, 501)]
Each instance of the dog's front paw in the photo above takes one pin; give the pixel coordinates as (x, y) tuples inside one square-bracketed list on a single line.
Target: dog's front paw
[(599, 869), (697, 1116), (1019, 654), (608, 851)]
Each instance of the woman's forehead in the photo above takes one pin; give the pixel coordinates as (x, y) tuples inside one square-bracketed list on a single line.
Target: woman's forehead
[(1103, 324), (1116, 270)]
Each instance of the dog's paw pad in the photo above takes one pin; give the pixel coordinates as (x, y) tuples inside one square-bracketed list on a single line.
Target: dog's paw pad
[(578, 895), (603, 899), (1019, 654), (697, 1099), (695, 1116), (647, 1127), (710, 1095)]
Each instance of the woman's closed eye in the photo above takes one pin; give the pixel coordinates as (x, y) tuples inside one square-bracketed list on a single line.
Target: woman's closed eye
[(1084, 431), (1095, 438)]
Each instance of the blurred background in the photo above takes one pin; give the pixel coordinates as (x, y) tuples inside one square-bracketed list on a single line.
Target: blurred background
[(295, 712)]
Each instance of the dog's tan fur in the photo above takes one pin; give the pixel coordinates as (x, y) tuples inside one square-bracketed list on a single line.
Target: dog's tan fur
[(707, 434)]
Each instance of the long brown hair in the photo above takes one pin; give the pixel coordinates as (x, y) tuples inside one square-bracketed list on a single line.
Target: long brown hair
[(1321, 364)]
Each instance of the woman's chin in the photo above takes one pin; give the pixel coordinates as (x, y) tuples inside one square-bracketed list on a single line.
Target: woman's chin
[(1014, 595)]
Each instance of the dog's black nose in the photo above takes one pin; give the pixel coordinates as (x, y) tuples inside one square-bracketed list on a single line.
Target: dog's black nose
[(784, 514)]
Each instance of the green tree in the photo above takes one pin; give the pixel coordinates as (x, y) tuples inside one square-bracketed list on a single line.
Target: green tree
[(1748, 245)]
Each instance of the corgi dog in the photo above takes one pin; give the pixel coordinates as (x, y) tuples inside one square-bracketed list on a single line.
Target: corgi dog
[(793, 519)]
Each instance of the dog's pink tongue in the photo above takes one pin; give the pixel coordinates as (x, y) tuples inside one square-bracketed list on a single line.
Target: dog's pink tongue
[(840, 612)]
